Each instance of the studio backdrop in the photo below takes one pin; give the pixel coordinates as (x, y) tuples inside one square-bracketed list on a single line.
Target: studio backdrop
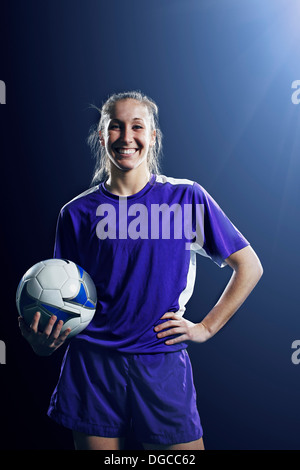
[(226, 77)]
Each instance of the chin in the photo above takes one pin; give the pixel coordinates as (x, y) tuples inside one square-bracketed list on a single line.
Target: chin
[(127, 165)]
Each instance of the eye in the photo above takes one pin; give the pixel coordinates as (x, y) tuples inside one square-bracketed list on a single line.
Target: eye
[(114, 126), (136, 126)]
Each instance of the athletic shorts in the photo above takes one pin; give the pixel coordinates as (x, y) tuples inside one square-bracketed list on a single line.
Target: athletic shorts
[(102, 392)]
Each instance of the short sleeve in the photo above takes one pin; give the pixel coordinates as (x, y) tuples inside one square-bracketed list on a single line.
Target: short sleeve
[(65, 246), (216, 236)]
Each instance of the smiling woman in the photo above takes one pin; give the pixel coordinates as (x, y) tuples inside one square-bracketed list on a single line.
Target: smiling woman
[(142, 123), (130, 366)]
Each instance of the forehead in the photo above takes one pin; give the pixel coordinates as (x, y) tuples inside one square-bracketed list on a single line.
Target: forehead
[(128, 110)]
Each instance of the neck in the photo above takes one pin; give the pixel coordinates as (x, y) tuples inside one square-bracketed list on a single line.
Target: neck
[(127, 183)]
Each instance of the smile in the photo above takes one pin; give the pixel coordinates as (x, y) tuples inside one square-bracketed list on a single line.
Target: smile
[(125, 151)]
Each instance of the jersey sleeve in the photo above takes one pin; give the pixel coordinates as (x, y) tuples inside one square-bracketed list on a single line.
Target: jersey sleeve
[(216, 236), (65, 246)]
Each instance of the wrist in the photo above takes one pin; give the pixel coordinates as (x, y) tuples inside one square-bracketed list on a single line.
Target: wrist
[(206, 331)]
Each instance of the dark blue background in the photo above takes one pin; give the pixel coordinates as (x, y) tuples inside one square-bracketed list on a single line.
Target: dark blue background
[(221, 73)]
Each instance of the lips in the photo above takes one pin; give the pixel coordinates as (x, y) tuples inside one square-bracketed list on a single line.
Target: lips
[(125, 151)]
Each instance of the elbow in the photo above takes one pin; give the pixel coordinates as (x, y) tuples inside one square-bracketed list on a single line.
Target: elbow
[(257, 267), (247, 263), (259, 270), (252, 268), (255, 271)]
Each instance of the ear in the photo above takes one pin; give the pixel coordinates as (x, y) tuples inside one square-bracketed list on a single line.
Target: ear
[(101, 138), (153, 138)]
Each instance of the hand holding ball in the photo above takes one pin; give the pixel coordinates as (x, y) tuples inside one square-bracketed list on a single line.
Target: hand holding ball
[(56, 287)]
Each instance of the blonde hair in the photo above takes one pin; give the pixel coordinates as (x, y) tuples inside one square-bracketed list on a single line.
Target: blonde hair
[(101, 170)]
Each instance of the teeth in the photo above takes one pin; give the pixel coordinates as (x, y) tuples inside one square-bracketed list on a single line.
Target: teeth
[(126, 151)]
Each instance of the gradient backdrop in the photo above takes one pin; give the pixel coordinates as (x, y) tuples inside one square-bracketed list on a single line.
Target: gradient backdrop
[(221, 72)]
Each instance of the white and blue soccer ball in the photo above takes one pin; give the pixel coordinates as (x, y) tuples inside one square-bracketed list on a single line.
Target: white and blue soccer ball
[(57, 287)]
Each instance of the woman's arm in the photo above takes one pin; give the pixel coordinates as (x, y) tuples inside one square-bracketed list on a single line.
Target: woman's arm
[(247, 270)]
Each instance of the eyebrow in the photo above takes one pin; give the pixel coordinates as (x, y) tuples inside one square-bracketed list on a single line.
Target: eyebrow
[(134, 119)]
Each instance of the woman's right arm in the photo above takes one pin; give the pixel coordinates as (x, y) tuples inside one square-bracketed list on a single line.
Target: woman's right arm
[(46, 342)]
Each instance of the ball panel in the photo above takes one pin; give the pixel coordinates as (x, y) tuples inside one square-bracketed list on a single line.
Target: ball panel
[(52, 277), (78, 328), (34, 288), (70, 289), (90, 288), (52, 297), (19, 289), (55, 262), (72, 308), (88, 304), (81, 296), (71, 270), (86, 314), (80, 271), (63, 315), (25, 299)]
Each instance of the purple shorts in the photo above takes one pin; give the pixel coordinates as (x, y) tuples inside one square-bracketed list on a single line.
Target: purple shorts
[(102, 392)]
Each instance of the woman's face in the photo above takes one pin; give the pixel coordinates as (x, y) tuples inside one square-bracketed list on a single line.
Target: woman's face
[(128, 135)]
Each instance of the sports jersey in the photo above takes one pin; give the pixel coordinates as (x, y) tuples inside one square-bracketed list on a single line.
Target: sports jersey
[(140, 251)]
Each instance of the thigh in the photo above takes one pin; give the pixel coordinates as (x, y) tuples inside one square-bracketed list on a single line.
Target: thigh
[(87, 442), (193, 445)]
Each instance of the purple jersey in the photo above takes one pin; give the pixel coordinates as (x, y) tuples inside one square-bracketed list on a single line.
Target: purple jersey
[(140, 251)]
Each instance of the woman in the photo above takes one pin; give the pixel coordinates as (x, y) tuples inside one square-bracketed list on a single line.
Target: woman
[(137, 234)]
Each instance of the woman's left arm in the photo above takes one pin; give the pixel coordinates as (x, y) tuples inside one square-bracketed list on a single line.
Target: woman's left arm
[(247, 270)]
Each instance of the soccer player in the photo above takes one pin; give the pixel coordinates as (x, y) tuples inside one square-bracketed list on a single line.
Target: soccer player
[(137, 233)]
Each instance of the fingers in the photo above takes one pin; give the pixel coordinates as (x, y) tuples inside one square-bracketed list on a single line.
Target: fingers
[(48, 329), (179, 339), (60, 338), (35, 322), (168, 324), (174, 331), (32, 328), (174, 325), (171, 331), (46, 342), (52, 336), (174, 315), (56, 338)]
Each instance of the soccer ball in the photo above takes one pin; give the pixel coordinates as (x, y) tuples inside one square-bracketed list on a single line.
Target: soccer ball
[(57, 287)]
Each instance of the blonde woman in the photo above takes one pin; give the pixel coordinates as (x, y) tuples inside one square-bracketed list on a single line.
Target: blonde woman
[(137, 233)]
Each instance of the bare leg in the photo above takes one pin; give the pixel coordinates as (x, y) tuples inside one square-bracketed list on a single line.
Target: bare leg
[(193, 445), (86, 442)]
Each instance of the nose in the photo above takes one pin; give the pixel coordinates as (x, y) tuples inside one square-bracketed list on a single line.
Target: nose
[(126, 135)]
